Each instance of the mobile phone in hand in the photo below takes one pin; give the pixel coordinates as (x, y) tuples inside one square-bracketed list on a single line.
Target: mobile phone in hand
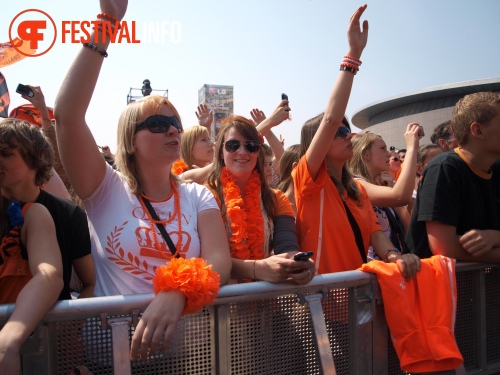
[(285, 97), (305, 256), (25, 90), (421, 132)]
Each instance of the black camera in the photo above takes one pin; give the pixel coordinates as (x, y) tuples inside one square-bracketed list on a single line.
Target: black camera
[(285, 97), (25, 90)]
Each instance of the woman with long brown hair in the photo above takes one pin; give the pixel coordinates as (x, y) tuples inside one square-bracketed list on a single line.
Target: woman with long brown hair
[(259, 220), (334, 214)]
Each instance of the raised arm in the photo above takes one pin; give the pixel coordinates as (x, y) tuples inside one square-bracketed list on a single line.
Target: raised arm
[(198, 175), (400, 194), (55, 186), (205, 117), (337, 103), (38, 101), (79, 153), (280, 114), (40, 293)]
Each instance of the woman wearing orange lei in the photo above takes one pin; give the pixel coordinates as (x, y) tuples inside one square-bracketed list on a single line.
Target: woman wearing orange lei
[(259, 220)]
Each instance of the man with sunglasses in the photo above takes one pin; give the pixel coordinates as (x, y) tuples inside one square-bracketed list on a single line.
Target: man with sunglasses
[(457, 211)]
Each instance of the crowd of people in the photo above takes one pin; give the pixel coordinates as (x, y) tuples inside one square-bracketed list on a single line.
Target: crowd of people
[(175, 213)]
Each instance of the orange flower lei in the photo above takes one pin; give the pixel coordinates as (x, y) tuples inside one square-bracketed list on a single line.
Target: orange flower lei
[(245, 216), (177, 213), (192, 277), (179, 167)]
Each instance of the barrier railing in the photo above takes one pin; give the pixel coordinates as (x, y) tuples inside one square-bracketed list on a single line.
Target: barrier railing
[(335, 324)]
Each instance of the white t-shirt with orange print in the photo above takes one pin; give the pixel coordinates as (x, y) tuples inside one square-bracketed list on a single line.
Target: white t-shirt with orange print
[(123, 249)]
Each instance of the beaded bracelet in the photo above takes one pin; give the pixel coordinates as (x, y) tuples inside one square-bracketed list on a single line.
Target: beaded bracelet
[(95, 48), (358, 61), (387, 253), (107, 17), (348, 69), (351, 62)]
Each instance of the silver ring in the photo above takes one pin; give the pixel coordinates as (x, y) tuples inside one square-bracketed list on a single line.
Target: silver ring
[(309, 273)]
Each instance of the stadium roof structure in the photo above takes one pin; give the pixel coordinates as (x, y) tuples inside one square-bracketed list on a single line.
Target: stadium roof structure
[(427, 99)]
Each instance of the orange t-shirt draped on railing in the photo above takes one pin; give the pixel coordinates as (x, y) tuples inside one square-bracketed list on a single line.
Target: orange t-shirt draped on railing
[(421, 313)]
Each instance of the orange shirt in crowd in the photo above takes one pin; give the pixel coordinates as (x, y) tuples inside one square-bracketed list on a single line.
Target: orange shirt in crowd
[(334, 246)]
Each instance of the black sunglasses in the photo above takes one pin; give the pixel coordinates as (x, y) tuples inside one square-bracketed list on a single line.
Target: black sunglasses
[(159, 124), (342, 132), (234, 145)]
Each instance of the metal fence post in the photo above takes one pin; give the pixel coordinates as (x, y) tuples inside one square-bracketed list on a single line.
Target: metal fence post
[(121, 345), (322, 340)]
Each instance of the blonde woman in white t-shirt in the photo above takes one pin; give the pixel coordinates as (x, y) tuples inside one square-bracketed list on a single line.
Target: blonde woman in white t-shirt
[(127, 244)]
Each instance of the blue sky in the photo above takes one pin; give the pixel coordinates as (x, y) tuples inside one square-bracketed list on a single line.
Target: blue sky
[(264, 48)]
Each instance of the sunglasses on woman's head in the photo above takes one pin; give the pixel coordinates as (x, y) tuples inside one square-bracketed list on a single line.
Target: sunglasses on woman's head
[(342, 132), (234, 145), (159, 124)]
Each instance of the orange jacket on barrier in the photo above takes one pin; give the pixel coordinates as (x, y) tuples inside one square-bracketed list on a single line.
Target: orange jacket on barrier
[(421, 313)]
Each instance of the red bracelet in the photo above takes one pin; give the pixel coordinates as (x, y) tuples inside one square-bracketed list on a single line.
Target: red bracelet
[(107, 17), (353, 58), (352, 62)]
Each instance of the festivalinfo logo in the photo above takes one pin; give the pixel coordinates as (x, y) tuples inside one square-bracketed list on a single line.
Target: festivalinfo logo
[(39, 32)]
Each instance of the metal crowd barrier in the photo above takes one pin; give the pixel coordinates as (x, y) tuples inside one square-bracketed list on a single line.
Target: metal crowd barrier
[(333, 325)]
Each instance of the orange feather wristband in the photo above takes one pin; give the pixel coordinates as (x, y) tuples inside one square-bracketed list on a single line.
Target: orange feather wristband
[(192, 277), (179, 167)]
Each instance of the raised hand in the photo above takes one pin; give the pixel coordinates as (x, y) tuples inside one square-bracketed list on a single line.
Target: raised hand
[(38, 100), (282, 141), (257, 116), (205, 116), (412, 136), (114, 8), (356, 36), (281, 113)]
